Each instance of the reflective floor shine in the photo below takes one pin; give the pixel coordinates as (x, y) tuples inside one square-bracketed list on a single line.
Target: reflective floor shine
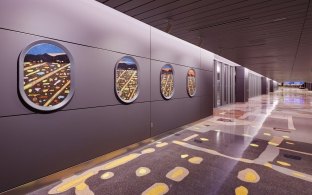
[(259, 147)]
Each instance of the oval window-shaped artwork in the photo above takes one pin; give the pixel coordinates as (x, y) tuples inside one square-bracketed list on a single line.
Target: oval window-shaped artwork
[(45, 81), (167, 81), (127, 79), (191, 82)]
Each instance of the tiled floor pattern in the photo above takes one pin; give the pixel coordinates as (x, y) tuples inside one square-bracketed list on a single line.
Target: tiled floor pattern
[(259, 147)]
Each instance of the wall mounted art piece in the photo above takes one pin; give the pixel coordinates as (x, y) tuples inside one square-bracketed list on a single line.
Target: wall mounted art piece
[(191, 82), (45, 75), (127, 79), (167, 81)]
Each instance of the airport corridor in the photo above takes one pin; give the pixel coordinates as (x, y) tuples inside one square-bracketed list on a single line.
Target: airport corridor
[(259, 147)]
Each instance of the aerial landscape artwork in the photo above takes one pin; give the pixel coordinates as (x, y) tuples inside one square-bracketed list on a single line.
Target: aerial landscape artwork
[(126, 79), (167, 81), (46, 75), (191, 82)]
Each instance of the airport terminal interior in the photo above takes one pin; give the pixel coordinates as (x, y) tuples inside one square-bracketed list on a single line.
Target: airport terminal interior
[(154, 97)]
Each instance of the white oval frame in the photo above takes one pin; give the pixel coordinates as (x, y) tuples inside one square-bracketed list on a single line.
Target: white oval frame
[(115, 79), (187, 89), (21, 77), (173, 74)]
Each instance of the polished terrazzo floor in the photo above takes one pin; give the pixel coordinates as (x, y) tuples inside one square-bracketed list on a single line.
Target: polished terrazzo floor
[(259, 147)]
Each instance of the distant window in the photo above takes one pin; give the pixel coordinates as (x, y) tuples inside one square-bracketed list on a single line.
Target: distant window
[(191, 82), (167, 81), (45, 81), (127, 79)]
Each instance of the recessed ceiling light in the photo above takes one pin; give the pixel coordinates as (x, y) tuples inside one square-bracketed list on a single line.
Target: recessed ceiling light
[(279, 19)]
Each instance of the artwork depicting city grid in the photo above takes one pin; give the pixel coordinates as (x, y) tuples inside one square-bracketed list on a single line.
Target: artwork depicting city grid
[(191, 82), (126, 81), (167, 81), (47, 75)]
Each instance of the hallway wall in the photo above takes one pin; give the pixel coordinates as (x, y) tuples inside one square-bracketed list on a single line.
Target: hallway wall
[(94, 122)]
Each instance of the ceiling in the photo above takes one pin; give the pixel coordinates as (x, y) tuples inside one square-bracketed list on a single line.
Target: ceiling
[(271, 37)]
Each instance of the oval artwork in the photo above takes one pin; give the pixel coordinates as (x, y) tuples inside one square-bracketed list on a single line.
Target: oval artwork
[(191, 82), (45, 82), (126, 79), (167, 81)]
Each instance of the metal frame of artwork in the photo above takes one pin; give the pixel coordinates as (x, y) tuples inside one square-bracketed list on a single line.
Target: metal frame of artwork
[(21, 77), (187, 88), (169, 97), (138, 80)]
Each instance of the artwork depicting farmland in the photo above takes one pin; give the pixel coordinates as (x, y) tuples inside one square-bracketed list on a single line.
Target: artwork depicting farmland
[(126, 81), (167, 81), (191, 82), (47, 76)]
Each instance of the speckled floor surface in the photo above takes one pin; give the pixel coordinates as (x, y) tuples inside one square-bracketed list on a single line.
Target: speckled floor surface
[(259, 147)]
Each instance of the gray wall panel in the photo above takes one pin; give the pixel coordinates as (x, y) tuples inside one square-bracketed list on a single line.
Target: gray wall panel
[(179, 80), (93, 70), (170, 49), (207, 60), (203, 79), (94, 122), (95, 77), (10, 103), (204, 83), (175, 113), (72, 136), (36, 145), (206, 108), (80, 21)]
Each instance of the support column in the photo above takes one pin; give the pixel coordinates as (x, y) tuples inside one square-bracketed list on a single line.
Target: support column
[(309, 86), (241, 84), (271, 86), (264, 86)]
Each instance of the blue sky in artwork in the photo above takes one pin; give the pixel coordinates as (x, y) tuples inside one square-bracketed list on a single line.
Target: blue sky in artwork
[(127, 61), (167, 66), (44, 48)]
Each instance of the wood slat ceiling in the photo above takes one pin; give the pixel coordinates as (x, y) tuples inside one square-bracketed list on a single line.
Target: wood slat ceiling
[(271, 37)]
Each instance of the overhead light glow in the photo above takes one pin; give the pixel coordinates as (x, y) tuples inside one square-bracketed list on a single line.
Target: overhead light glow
[(279, 19)]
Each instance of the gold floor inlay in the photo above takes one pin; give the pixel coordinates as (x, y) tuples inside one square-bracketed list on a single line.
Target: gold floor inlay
[(157, 189), (177, 174)]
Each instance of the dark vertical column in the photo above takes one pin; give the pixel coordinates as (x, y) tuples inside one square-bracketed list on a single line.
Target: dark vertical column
[(271, 86), (241, 84), (264, 86), (309, 86), (246, 84)]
